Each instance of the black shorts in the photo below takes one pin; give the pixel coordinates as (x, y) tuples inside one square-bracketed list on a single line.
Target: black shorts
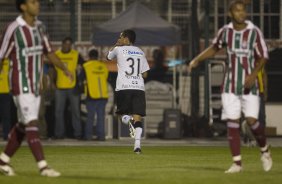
[(131, 102)]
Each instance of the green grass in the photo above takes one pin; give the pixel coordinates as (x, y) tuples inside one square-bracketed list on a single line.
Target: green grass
[(164, 165)]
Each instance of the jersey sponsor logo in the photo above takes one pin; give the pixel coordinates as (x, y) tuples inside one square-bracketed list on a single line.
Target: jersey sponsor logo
[(31, 51), (132, 77), (132, 53), (238, 52), (132, 86)]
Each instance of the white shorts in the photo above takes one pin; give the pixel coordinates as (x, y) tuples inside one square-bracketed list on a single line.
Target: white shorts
[(27, 107), (233, 105)]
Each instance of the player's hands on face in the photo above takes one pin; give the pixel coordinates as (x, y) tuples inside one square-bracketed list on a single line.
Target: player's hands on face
[(119, 42)]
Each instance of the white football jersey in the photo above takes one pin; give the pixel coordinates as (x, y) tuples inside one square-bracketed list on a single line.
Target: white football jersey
[(131, 63)]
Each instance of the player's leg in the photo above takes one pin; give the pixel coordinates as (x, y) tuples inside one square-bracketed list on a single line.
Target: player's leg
[(249, 138), (137, 124), (139, 111), (124, 106), (29, 108), (232, 112), (251, 107), (15, 139), (127, 119)]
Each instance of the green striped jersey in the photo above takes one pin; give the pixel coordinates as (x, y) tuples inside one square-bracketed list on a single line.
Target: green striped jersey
[(24, 46), (243, 49)]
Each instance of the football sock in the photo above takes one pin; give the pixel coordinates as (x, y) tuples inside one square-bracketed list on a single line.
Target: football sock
[(138, 127), (15, 139), (126, 118), (4, 159), (137, 143), (42, 165), (34, 143), (234, 141), (258, 131)]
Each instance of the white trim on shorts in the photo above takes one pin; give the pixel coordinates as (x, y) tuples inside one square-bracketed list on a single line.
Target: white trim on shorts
[(233, 105), (27, 107)]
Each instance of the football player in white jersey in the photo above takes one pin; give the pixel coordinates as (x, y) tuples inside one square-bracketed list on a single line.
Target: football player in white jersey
[(130, 92)]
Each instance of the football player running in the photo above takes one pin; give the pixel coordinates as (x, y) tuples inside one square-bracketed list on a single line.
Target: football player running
[(130, 91)]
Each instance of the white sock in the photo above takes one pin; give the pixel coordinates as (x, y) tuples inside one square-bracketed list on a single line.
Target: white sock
[(138, 134), (5, 158), (42, 164), (126, 118)]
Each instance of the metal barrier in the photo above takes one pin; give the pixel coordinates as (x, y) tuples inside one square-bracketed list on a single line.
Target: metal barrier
[(216, 70)]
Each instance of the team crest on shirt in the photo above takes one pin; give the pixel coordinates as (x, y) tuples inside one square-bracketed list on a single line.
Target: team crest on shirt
[(244, 44), (124, 52)]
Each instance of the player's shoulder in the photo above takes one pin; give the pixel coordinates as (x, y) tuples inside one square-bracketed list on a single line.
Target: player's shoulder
[(11, 26), (41, 26), (254, 28), (138, 48)]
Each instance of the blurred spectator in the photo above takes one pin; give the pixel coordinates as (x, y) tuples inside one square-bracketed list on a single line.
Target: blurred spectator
[(96, 73), (46, 113), (158, 71), (68, 90), (5, 99)]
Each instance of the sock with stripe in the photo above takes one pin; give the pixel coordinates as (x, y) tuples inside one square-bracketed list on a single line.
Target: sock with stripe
[(258, 131), (15, 138), (234, 141), (34, 143)]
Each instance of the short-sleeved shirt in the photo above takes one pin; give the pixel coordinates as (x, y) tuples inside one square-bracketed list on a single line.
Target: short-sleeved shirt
[(24, 46), (131, 63), (243, 49)]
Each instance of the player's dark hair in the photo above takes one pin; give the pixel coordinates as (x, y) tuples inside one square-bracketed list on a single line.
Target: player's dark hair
[(19, 3), (93, 54), (68, 38), (130, 34), (235, 2)]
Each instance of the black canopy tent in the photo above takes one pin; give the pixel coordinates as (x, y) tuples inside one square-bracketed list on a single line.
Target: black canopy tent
[(149, 27)]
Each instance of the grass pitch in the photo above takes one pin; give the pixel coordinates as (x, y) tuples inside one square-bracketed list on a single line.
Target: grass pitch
[(164, 165)]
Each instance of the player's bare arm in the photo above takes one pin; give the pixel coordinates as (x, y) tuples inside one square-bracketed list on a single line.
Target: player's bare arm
[(208, 53), (145, 74), (57, 62), (250, 79)]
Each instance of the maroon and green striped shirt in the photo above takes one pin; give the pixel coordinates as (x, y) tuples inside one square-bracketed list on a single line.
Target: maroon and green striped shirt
[(24, 46), (243, 49)]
